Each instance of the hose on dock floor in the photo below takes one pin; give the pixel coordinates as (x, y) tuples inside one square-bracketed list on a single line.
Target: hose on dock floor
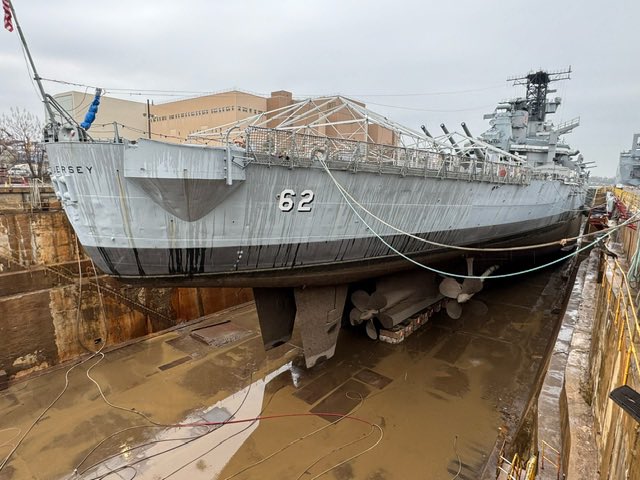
[(251, 421)]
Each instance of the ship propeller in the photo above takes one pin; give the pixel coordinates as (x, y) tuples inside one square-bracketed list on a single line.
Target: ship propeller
[(365, 307), (460, 293)]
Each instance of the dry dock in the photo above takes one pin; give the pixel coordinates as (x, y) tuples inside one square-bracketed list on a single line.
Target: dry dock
[(442, 400)]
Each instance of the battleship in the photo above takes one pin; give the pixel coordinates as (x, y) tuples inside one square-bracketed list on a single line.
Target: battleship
[(301, 202), (628, 172)]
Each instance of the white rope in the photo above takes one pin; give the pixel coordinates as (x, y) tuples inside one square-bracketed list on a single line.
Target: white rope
[(448, 274), (453, 247)]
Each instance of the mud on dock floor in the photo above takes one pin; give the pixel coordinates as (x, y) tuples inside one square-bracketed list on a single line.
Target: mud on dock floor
[(441, 399)]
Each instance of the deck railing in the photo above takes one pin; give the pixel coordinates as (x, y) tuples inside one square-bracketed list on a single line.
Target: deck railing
[(292, 149)]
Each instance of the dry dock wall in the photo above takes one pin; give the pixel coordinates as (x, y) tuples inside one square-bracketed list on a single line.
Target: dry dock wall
[(599, 439), (40, 290), (617, 433), (613, 364)]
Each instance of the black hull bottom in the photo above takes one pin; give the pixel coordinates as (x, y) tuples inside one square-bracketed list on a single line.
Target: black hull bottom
[(233, 266)]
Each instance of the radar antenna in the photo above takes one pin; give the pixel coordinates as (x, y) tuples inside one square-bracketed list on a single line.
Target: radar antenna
[(537, 88)]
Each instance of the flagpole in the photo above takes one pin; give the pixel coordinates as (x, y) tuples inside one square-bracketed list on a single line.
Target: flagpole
[(36, 77)]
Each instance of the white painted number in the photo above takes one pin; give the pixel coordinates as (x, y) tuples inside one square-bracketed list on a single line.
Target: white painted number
[(286, 202), (307, 198)]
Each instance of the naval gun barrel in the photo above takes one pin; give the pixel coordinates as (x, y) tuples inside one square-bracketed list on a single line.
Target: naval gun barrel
[(477, 151), (426, 132), (455, 145)]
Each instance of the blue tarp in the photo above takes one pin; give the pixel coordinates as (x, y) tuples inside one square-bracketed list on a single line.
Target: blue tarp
[(91, 113)]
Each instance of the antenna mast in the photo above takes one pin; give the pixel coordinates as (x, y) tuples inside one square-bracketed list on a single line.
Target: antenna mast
[(537, 88)]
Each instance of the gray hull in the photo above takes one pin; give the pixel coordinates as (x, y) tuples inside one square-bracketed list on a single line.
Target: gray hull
[(166, 213)]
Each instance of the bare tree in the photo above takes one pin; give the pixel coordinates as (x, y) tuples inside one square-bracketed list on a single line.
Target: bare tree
[(21, 139)]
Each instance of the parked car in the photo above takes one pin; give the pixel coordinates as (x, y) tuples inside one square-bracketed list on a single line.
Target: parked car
[(19, 171)]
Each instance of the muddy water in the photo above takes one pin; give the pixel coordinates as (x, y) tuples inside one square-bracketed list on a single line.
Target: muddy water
[(453, 387), (438, 402)]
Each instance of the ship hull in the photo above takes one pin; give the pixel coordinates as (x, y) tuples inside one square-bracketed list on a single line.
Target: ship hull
[(282, 266), (179, 219)]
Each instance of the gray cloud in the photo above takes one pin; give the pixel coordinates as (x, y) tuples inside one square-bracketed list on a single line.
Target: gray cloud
[(352, 47)]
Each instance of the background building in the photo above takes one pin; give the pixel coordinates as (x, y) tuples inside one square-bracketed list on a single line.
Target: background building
[(179, 119), (174, 121)]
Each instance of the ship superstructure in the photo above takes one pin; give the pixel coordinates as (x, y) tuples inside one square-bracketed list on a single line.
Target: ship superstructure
[(520, 125), (628, 172)]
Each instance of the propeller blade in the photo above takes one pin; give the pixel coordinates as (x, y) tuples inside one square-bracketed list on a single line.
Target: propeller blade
[(360, 300), (471, 285), (354, 317), (454, 309), (450, 288), (377, 301), (477, 307), (372, 331)]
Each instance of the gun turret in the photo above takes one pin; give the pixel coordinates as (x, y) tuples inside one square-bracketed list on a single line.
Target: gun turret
[(477, 151), (455, 145), (426, 132)]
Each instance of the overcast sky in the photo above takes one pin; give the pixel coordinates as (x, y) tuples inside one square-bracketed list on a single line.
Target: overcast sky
[(381, 52)]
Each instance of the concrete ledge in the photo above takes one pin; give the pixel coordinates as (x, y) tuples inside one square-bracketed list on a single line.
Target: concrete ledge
[(562, 410), (580, 453)]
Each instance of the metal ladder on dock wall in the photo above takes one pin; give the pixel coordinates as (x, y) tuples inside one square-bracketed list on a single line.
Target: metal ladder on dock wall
[(516, 468)]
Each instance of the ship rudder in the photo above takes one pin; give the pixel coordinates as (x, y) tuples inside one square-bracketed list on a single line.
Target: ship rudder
[(319, 316), (316, 310), (276, 309)]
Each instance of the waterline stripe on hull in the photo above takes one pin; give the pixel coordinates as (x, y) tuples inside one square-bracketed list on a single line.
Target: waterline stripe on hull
[(293, 264)]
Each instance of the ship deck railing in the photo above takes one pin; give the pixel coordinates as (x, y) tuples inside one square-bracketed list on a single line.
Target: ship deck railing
[(294, 150), (289, 148)]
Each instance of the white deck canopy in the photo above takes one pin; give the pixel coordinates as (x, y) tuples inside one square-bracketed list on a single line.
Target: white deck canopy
[(343, 118)]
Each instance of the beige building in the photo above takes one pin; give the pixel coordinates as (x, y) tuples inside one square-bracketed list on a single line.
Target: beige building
[(174, 121), (180, 118), (130, 116)]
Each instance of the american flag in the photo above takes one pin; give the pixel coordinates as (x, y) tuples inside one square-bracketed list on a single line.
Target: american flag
[(7, 15)]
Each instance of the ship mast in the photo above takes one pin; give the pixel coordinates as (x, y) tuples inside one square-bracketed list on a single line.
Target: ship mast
[(36, 77), (537, 88)]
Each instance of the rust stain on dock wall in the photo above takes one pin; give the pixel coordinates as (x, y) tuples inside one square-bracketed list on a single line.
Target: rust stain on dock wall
[(42, 284)]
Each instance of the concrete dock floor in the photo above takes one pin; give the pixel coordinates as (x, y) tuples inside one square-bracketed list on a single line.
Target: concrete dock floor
[(442, 400)]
